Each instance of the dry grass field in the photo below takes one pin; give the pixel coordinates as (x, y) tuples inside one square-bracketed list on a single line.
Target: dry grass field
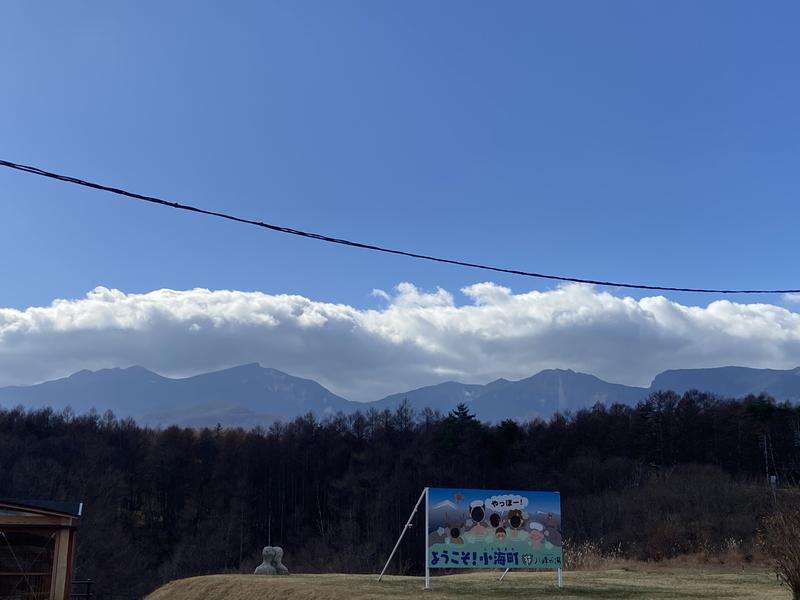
[(624, 583)]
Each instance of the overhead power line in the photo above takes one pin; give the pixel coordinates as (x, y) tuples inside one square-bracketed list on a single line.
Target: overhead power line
[(333, 240)]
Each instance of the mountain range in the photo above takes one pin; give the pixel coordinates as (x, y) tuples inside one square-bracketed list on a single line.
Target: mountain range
[(250, 395)]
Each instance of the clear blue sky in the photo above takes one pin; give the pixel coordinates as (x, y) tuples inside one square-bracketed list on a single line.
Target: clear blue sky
[(642, 141)]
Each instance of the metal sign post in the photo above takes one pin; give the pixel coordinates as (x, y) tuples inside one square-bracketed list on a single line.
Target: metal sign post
[(477, 547), (406, 528), (425, 540), (560, 576)]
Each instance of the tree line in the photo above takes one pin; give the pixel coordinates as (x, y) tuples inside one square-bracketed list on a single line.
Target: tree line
[(673, 474)]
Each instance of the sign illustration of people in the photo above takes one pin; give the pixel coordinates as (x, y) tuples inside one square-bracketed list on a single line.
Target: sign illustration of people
[(488, 529)]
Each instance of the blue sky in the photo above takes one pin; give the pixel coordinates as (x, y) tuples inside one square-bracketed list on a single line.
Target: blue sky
[(641, 141), (631, 141)]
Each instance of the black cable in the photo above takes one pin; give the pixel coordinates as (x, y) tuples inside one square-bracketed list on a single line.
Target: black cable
[(333, 240)]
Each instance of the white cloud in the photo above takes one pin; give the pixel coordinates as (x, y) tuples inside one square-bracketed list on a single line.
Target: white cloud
[(792, 298), (417, 339)]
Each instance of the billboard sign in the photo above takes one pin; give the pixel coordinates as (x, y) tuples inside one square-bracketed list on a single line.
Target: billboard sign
[(491, 529)]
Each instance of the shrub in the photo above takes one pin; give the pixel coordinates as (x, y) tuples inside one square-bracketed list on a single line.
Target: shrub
[(779, 536)]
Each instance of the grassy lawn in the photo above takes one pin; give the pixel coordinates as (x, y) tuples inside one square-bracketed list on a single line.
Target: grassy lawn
[(661, 584)]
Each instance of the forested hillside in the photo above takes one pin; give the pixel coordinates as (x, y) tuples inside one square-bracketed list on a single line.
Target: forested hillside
[(670, 475)]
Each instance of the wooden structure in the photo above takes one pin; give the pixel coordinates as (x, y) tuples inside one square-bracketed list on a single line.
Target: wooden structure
[(37, 539)]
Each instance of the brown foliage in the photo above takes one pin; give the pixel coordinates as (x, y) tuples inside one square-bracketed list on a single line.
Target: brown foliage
[(779, 536)]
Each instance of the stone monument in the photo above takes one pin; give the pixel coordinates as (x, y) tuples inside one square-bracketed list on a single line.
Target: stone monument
[(272, 564)]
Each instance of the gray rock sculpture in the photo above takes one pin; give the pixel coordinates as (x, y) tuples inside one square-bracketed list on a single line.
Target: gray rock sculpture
[(272, 564)]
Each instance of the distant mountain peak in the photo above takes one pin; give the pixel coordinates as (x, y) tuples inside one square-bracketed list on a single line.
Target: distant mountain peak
[(112, 372), (245, 395), (253, 366), (249, 394), (80, 374), (138, 369)]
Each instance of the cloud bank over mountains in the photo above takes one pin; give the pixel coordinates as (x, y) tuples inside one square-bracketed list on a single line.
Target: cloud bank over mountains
[(418, 338)]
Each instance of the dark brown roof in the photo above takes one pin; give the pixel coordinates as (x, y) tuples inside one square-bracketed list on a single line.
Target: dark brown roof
[(70, 509)]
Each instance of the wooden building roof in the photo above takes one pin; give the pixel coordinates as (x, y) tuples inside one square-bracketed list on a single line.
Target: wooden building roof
[(66, 509)]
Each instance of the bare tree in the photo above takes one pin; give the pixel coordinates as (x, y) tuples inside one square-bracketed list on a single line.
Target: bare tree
[(780, 538)]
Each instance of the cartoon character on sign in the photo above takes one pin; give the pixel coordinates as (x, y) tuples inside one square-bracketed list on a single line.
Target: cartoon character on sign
[(552, 536), (455, 532), (500, 534), (516, 521), (536, 534), (477, 513)]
